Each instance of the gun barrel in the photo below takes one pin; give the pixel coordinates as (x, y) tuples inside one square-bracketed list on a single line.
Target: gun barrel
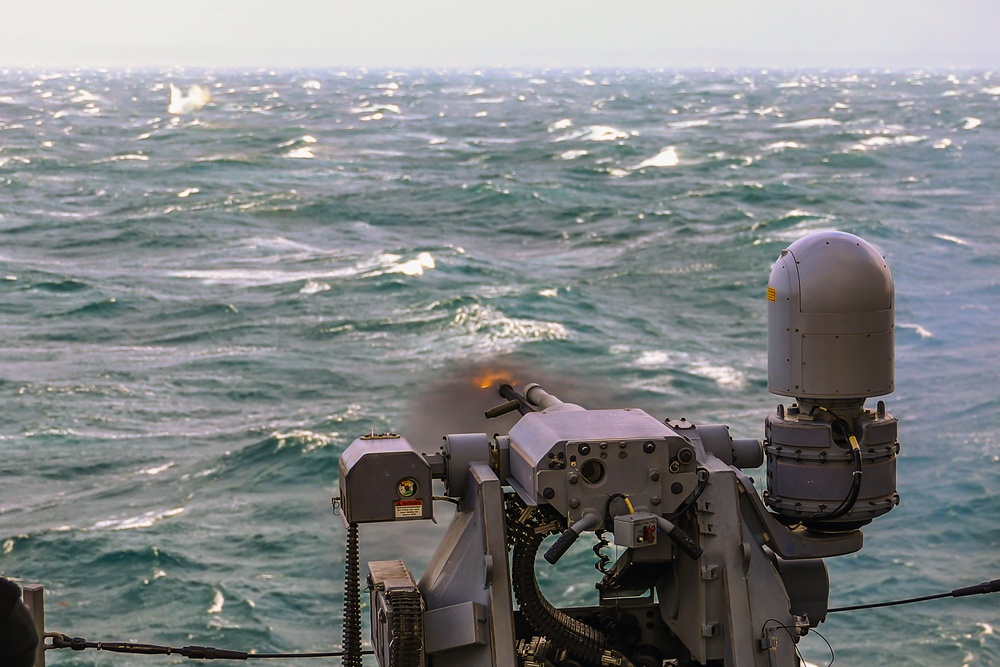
[(536, 395)]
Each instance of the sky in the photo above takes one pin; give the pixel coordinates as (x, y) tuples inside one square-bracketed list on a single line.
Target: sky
[(952, 34)]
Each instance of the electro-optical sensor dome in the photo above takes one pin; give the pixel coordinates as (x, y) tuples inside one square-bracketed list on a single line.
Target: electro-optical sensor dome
[(830, 320)]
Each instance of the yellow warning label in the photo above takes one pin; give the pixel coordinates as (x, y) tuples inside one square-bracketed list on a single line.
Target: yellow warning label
[(772, 294), (407, 509)]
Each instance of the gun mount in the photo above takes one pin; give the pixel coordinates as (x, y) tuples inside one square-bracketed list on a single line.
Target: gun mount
[(710, 571)]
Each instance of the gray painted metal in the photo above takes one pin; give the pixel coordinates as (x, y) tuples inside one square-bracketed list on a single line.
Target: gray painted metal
[(810, 472), (396, 481), (34, 599), (470, 565), (830, 319)]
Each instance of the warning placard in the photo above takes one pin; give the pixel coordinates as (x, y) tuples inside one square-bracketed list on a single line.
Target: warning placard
[(408, 509)]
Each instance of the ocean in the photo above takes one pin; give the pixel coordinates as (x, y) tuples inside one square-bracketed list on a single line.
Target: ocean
[(200, 311)]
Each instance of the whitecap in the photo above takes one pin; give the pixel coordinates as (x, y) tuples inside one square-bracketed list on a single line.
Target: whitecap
[(304, 139), (943, 143), (872, 142), (724, 376), (196, 98), (218, 602), (377, 108), (312, 84), (414, 267), (970, 123), (782, 145), (548, 293), (259, 277), (309, 439), (595, 133), (952, 239), (498, 332), (280, 243), (313, 287), (685, 124), (800, 213), (797, 232), (666, 158), (301, 153), (83, 96), (187, 192), (995, 90), (562, 124), (811, 122), (571, 154), (655, 359), (122, 158), (918, 329), (156, 470), (141, 521), (880, 141)]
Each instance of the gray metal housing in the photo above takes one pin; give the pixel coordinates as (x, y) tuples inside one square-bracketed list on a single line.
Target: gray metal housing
[(830, 319), (575, 460)]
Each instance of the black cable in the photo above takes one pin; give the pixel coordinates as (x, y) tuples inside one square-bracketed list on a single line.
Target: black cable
[(893, 603), (979, 589), (194, 652), (833, 656), (703, 476), (609, 519), (332, 654), (795, 645), (841, 425)]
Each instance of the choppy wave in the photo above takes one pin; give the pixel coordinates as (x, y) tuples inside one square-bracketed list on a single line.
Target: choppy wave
[(200, 311)]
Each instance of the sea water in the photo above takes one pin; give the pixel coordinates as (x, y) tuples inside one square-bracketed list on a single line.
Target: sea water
[(200, 311)]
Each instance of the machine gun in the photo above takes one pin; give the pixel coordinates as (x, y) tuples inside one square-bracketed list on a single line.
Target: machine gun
[(711, 572)]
